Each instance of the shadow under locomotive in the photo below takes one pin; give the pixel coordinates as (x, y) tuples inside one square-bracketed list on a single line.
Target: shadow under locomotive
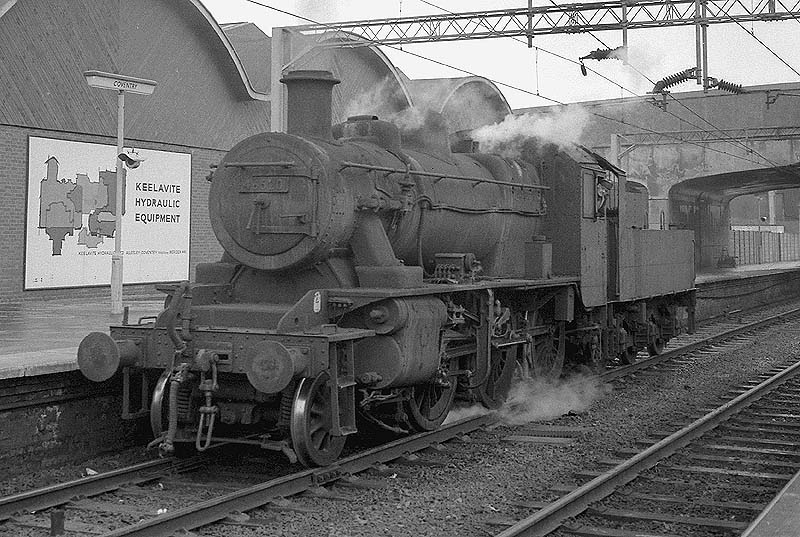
[(383, 275)]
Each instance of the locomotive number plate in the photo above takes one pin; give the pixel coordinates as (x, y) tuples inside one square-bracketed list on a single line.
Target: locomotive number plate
[(264, 185)]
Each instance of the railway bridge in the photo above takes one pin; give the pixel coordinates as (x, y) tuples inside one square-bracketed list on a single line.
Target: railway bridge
[(710, 160)]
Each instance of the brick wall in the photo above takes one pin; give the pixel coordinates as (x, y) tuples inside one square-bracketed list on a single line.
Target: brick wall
[(13, 192)]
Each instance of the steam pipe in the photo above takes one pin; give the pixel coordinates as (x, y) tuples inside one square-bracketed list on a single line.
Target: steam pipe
[(372, 167)]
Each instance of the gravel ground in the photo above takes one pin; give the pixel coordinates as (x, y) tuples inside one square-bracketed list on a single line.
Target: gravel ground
[(483, 478), (27, 477)]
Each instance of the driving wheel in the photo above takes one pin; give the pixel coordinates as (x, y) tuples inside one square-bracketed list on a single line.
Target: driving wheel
[(311, 422), (494, 391), (428, 404), (159, 408), (655, 347), (628, 356)]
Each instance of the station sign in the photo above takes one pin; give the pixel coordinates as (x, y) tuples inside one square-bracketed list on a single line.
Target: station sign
[(112, 81)]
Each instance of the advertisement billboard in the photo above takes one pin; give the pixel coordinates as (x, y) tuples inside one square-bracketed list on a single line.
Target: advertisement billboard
[(71, 215)]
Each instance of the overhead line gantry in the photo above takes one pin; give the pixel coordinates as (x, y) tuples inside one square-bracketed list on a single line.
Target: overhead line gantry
[(527, 22), (558, 19)]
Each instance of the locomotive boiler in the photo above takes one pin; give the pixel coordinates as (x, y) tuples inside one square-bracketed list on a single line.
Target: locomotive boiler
[(372, 276)]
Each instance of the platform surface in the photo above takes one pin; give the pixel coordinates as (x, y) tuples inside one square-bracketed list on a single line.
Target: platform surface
[(745, 271), (42, 336), (781, 518)]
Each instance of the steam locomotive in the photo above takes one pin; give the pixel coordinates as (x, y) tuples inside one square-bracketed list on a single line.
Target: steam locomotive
[(375, 276)]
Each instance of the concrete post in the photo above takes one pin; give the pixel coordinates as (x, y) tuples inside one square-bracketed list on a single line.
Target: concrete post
[(116, 257), (772, 208)]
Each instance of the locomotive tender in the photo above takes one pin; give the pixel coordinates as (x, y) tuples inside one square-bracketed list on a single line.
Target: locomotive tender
[(381, 275)]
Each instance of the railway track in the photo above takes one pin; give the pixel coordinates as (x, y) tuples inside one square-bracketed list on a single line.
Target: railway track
[(732, 450), (223, 506), (229, 506), (663, 490)]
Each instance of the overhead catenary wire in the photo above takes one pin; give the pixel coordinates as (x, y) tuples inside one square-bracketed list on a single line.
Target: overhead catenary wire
[(550, 52), (753, 35), (512, 86), (731, 140), (693, 112)]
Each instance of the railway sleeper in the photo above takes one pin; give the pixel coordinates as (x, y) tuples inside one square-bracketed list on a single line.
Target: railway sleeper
[(593, 531), (650, 516)]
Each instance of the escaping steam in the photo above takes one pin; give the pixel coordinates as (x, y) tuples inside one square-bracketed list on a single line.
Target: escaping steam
[(382, 100), (538, 400), (462, 413), (562, 127), (387, 101), (321, 11)]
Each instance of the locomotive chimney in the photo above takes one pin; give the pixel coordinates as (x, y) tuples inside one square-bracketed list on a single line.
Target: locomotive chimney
[(309, 102)]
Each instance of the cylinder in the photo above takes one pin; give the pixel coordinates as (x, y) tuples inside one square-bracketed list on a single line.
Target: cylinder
[(406, 351)]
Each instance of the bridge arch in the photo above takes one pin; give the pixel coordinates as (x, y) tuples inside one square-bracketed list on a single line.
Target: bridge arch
[(704, 204)]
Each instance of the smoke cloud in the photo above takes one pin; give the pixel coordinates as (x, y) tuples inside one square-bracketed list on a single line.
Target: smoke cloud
[(563, 127)]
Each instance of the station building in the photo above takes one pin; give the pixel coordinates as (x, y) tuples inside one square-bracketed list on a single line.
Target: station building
[(203, 103), (58, 134)]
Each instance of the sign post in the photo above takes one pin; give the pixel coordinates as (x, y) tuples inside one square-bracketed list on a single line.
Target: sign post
[(122, 84)]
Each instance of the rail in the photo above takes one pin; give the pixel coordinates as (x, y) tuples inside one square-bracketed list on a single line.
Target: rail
[(35, 500)]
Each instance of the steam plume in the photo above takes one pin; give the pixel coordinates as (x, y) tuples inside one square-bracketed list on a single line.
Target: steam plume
[(380, 100), (562, 127)]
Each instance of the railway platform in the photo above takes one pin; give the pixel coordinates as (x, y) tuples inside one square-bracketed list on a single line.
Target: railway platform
[(41, 337), (730, 290), (781, 518), (746, 271)]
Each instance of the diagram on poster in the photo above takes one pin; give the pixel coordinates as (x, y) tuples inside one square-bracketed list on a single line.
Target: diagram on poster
[(71, 224)]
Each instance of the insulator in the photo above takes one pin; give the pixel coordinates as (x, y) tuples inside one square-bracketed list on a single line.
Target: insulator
[(729, 87), (673, 80)]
